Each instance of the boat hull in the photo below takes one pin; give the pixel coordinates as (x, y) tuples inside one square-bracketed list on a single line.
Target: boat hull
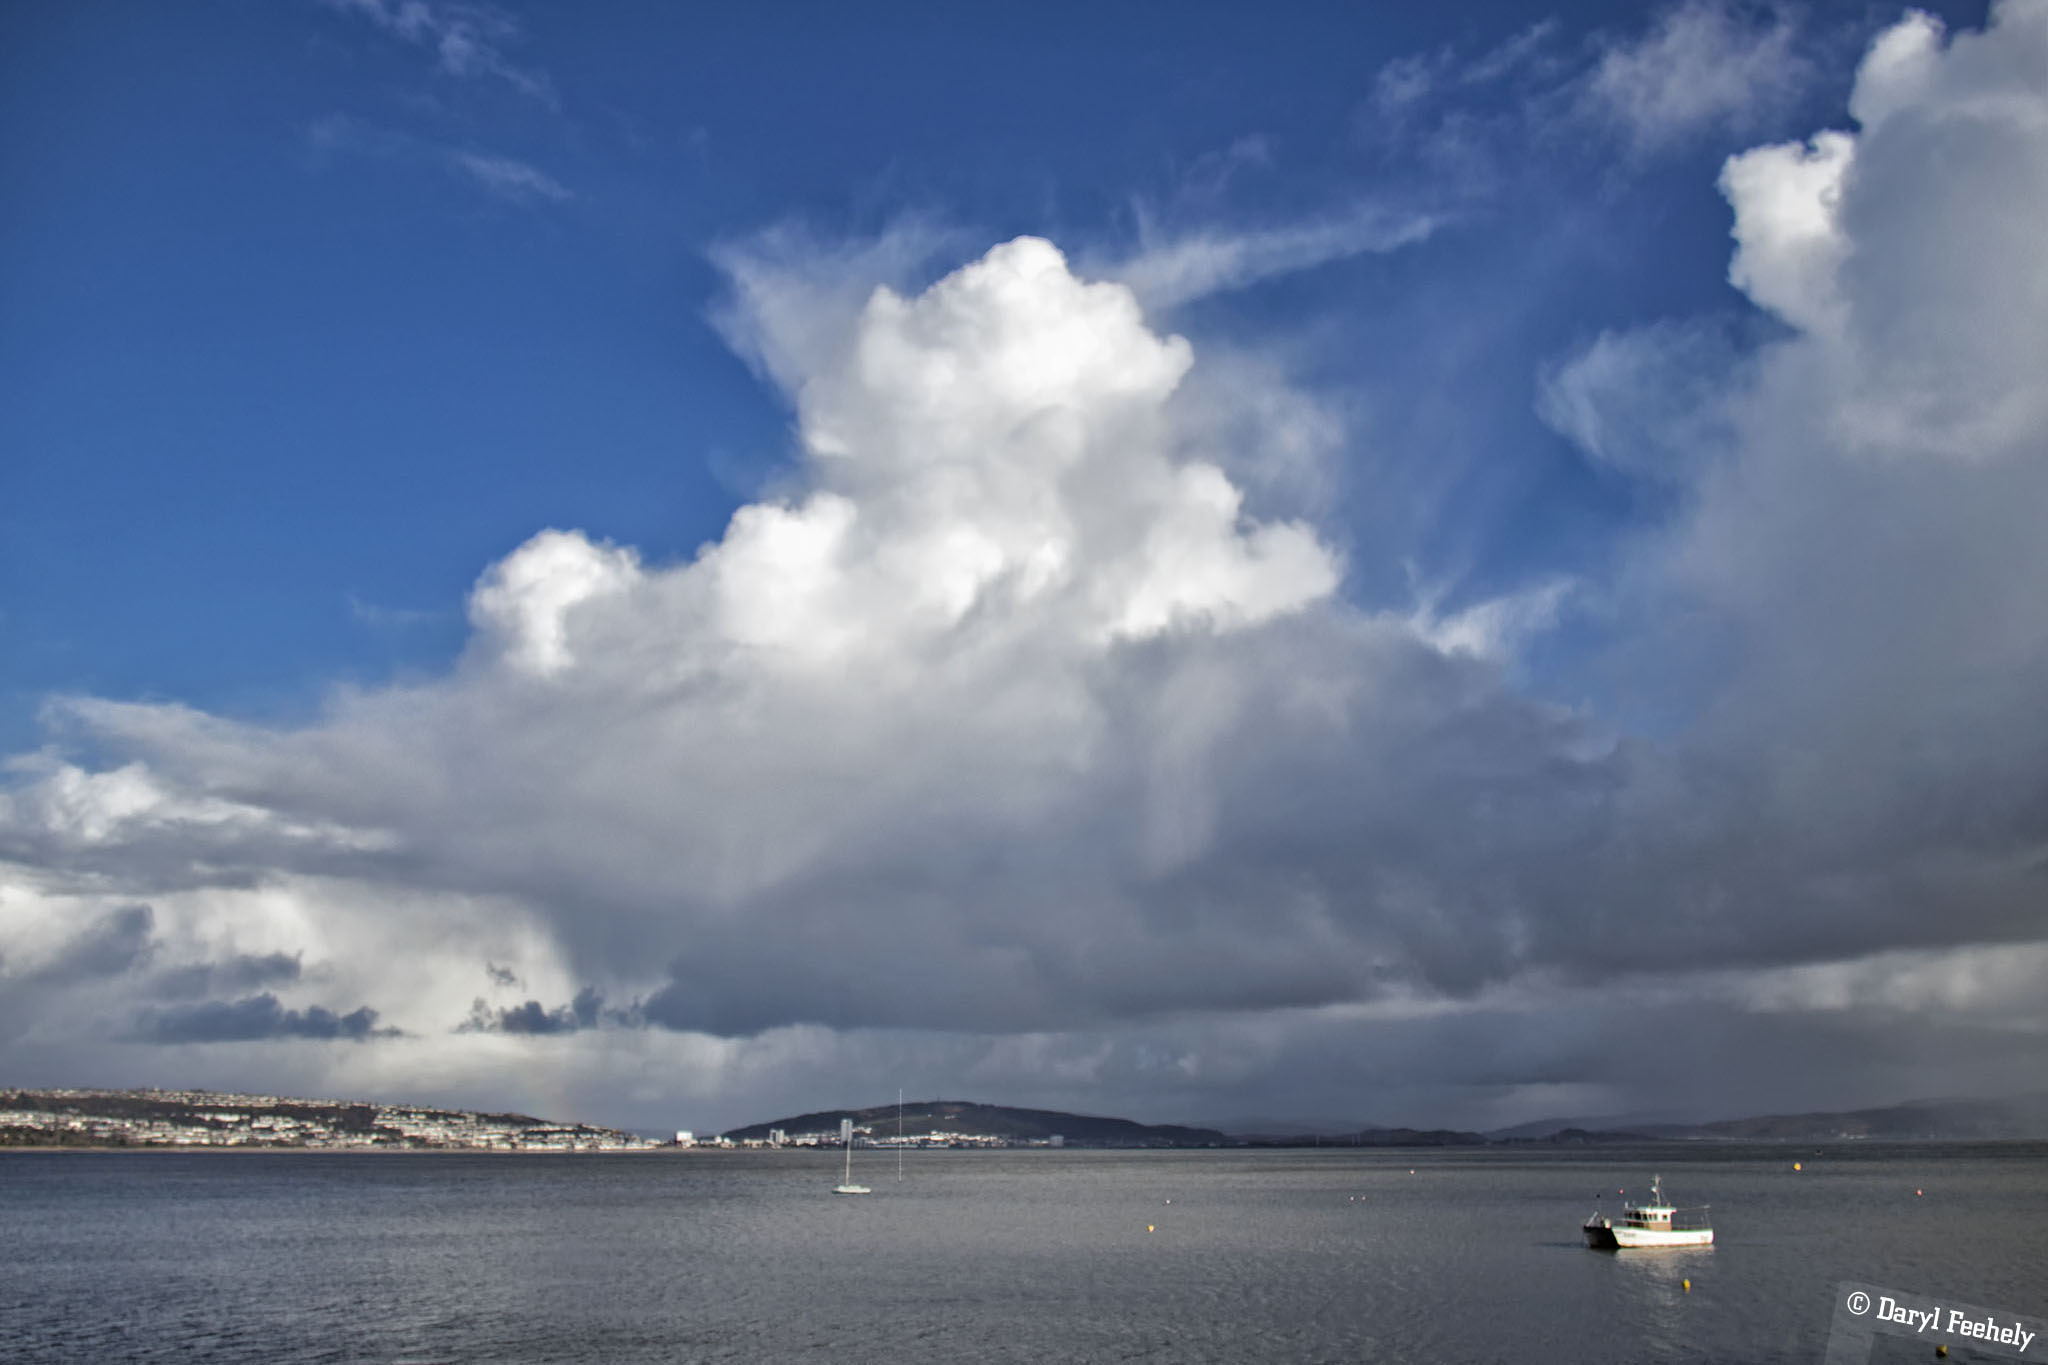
[(851, 1189), (1602, 1236)]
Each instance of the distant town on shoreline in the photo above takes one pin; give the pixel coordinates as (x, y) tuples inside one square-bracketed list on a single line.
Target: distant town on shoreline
[(211, 1119)]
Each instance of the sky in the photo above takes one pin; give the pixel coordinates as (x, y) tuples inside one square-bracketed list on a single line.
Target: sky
[(1317, 563)]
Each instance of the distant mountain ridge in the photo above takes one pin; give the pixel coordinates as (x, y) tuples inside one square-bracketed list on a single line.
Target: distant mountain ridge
[(1918, 1120), (2024, 1116), (1366, 1137), (966, 1119), (2020, 1118)]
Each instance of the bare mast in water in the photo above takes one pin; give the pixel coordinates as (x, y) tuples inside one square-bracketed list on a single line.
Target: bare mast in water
[(846, 1185)]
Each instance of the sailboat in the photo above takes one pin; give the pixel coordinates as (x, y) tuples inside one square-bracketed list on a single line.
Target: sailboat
[(846, 1185)]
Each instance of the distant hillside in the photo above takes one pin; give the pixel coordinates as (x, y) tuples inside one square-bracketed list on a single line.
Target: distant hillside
[(1915, 1121), (990, 1120), (1369, 1137), (206, 1118), (2021, 1118), (1632, 1124), (1920, 1120)]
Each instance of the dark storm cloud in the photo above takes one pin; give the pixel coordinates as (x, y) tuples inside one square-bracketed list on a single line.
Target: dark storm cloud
[(236, 975), (90, 959), (1455, 846), (1688, 1049), (254, 1018), (108, 946), (1419, 826), (585, 1011)]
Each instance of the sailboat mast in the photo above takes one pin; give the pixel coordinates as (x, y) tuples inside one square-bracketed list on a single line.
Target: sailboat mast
[(846, 1185), (899, 1133)]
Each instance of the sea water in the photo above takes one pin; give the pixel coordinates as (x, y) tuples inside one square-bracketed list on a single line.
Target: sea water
[(1233, 1255)]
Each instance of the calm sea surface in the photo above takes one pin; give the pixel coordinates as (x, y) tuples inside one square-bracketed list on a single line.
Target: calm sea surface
[(1180, 1256)]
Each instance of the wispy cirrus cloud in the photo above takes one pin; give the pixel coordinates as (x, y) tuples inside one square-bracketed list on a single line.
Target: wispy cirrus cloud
[(1410, 81), (1704, 64), (1171, 269), (386, 618), (1648, 401), (1695, 67), (505, 177), (1495, 628), (508, 177), (466, 39)]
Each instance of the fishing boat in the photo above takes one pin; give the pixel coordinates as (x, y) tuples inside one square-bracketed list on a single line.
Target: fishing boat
[(1654, 1224), (846, 1185)]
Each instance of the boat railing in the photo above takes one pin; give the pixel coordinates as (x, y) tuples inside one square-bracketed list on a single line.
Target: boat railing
[(1692, 1219)]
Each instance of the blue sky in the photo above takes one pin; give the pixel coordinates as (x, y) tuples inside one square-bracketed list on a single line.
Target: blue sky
[(317, 313), (274, 352)]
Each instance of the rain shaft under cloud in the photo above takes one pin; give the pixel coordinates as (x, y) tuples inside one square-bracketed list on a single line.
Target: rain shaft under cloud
[(1027, 728)]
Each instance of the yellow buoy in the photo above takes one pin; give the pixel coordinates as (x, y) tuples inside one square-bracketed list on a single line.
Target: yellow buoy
[(1148, 1227), (1687, 1284), (1941, 1351), (1795, 1165)]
